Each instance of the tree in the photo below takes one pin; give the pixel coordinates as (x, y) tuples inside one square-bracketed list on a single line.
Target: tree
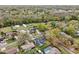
[(22, 37), (73, 17), (55, 32), (53, 24), (42, 27), (70, 29), (62, 18), (2, 33), (67, 18)]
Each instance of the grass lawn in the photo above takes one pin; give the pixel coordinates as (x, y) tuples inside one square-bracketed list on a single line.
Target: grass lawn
[(32, 51), (6, 29), (10, 41)]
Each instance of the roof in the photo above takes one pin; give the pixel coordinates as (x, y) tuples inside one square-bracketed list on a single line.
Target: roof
[(17, 25), (3, 44), (65, 35), (24, 25), (22, 31), (32, 30), (1, 39), (11, 33), (11, 50), (77, 32), (28, 46), (51, 50), (39, 41)]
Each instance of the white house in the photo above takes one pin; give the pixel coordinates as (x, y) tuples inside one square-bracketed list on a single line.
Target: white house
[(24, 25)]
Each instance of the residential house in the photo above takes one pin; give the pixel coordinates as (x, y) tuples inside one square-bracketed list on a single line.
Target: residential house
[(28, 45), (40, 41), (77, 33), (24, 25), (1, 39), (65, 35), (12, 50), (16, 26), (51, 50)]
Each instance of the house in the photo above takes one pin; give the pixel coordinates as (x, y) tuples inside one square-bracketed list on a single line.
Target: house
[(33, 30), (28, 45), (77, 33), (51, 50), (3, 44), (38, 32), (7, 48), (22, 31), (16, 26), (11, 34), (1, 39), (39, 41), (12, 50), (24, 25), (65, 35), (68, 38)]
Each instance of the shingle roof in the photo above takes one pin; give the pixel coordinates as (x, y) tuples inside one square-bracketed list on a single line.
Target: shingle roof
[(51, 50)]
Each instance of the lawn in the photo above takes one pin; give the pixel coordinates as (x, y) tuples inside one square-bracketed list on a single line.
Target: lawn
[(32, 51), (10, 41), (6, 29)]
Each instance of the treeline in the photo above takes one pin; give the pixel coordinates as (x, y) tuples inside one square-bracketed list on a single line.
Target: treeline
[(10, 22), (19, 21)]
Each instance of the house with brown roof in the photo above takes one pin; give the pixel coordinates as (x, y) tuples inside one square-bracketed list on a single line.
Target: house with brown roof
[(28, 45), (12, 50)]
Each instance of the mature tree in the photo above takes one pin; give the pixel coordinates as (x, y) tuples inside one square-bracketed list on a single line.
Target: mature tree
[(70, 29), (42, 27), (73, 17), (54, 24)]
